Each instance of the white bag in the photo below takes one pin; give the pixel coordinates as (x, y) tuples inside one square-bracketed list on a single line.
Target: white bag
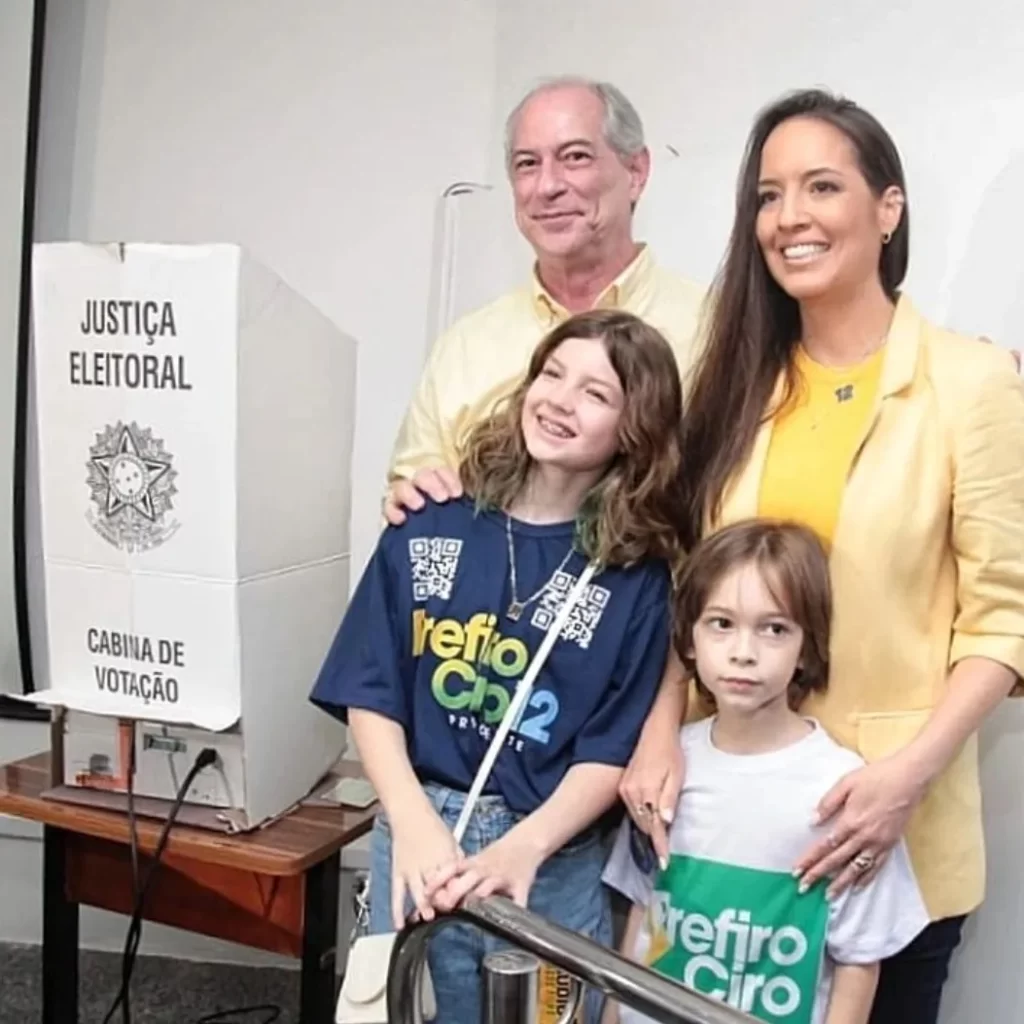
[(363, 996)]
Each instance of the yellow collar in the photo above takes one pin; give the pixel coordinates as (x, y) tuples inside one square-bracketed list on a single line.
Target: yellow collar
[(623, 292), (902, 348)]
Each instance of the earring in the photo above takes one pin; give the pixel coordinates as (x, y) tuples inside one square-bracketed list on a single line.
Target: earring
[(887, 238)]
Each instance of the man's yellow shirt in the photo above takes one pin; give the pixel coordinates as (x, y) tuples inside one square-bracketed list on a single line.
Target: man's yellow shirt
[(483, 356)]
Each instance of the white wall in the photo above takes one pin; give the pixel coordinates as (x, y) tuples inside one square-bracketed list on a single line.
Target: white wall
[(947, 80), (318, 133)]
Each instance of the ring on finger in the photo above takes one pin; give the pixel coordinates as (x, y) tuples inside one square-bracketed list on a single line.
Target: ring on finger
[(863, 862)]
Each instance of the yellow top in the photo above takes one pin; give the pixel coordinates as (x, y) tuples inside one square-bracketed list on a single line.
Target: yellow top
[(481, 357), (927, 566), (813, 441)]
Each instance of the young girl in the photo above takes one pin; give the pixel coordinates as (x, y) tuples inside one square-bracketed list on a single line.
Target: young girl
[(580, 463), (725, 914)]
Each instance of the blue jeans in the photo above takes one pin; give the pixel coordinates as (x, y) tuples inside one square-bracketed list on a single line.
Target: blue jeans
[(567, 890)]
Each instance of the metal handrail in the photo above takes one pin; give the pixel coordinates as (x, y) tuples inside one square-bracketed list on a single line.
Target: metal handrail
[(624, 980)]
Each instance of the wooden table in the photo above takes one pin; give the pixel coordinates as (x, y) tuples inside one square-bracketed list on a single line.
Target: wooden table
[(276, 888)]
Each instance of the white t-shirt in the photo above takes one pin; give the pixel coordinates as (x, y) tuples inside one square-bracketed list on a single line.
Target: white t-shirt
[(726, 918)]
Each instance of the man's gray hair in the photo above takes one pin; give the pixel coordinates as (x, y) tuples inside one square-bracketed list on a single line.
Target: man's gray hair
[(623, 129)]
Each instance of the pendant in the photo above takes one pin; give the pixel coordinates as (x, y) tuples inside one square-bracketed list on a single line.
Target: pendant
[(515, 609)]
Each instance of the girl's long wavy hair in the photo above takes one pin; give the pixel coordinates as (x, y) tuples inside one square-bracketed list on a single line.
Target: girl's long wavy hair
[(754, 326), (632, 512)]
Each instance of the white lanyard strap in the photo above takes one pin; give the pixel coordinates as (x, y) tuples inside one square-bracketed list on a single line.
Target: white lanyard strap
[(522, 695)]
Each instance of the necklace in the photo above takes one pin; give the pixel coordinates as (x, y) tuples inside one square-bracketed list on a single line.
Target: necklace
[(842, 394), (842, 383), (515, 606)]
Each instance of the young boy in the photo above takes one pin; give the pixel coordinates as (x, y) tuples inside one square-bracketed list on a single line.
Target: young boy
[(725, 915)]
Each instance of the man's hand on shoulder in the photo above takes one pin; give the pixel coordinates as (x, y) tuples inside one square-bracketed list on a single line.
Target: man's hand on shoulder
[(1013, 351), (439, 483)]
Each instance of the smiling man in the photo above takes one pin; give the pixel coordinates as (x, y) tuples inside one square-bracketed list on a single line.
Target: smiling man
[(578, 164)]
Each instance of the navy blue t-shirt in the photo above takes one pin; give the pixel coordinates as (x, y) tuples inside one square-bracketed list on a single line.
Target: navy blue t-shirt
[(427, 642)]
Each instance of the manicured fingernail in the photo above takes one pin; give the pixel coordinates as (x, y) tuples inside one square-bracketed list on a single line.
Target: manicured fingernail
[(666, 815), (663, 861), (802, 888)]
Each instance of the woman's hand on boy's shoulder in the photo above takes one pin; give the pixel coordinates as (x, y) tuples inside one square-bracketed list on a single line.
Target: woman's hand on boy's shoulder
[(439, 483), (865, 814)]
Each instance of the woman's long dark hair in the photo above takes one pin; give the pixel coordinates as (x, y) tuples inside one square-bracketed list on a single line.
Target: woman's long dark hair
[(753, 325)]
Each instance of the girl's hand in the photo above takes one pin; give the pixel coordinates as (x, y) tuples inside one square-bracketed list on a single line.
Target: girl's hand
[(508, 866), (422, 846), (867, 813)]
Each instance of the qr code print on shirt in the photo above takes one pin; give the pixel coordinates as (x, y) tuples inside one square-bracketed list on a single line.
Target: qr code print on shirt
[(584, 615), (434, 562)]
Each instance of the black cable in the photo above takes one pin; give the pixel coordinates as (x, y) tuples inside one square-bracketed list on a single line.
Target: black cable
[(271, 1010), (221, 1016), (207, 756)]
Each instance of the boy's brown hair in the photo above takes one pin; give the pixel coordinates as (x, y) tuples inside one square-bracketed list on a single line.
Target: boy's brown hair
[(632, 512), (794, 567)]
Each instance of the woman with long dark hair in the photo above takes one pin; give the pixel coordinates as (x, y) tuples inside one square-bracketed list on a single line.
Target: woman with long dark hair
[(823, 396)]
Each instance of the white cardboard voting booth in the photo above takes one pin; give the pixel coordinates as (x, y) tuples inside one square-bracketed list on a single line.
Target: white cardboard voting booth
[(195, 433)]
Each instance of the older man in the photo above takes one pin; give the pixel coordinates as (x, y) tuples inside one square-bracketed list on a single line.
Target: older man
[(578, 164)]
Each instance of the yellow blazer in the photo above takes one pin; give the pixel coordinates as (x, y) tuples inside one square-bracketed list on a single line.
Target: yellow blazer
[(927, 566)]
